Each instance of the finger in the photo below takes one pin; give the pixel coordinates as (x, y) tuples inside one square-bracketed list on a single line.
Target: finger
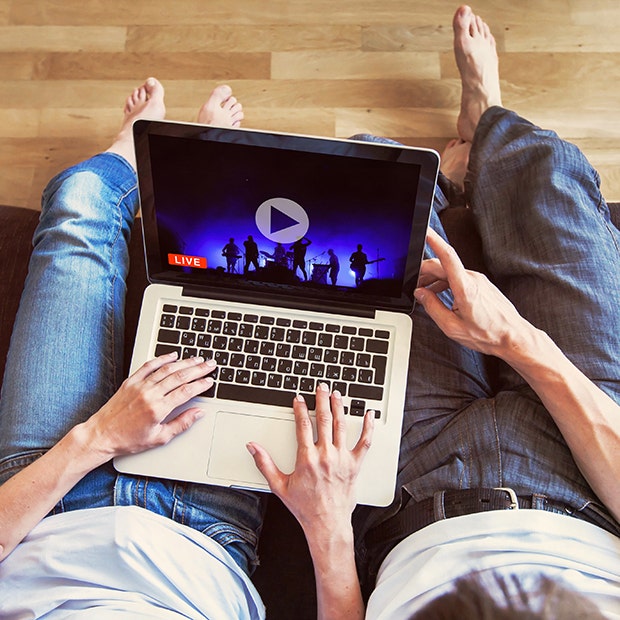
[(161, 373), (365, 441), (437, 286), (264, 463), (303, 425), (324, 418), (432, 268), (449, 259), (151, 366), (181, 423), (172, 376), (339, 422), (435, 308), (184, 393)]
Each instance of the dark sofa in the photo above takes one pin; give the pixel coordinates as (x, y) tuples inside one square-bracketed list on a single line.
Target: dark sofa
[(285, 578)]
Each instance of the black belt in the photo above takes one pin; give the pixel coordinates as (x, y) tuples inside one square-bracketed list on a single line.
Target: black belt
[(413, 516)]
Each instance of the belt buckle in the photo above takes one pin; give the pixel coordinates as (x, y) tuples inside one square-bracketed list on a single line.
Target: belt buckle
[(514, 502)]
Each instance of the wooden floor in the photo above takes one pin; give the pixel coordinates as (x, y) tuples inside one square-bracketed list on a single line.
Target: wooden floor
[(327, 67)]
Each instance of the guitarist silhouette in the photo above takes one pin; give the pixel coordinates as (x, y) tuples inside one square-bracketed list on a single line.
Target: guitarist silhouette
[(358, 261)]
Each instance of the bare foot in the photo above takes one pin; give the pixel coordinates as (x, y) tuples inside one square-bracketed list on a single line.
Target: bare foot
[(221, 109), (476, 59), (454, 161), (146, 101)]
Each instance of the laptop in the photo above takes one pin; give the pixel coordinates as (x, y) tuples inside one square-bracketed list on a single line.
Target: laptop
[(291, 260)]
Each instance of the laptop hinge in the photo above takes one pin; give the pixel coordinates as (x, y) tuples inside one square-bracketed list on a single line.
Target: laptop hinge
[(284, 301)]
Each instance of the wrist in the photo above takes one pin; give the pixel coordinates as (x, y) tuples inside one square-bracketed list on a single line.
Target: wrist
[(528, 349), (329, 542), (86, 446)]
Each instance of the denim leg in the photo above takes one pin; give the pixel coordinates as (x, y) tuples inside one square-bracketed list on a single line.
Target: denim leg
[(551, 248), (65, 359), (548, 240), (442, 446)]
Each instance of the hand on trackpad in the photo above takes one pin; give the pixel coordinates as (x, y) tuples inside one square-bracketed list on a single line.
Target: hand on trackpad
[(230, 459)]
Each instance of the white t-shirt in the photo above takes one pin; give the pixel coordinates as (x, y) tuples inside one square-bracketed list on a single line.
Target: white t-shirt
[(123, 562), (526, 543)]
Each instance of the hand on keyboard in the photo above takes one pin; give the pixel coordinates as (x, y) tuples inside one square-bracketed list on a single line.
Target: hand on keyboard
[(133, 419), (320, 492)]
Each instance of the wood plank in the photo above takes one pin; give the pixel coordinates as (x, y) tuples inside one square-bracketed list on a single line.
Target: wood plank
[(243, 38), (406, 38), (568, 38), (62, 38), (338, 67), (15, 188), (356, 65), (173, 66), (411, 122), (19, 123)]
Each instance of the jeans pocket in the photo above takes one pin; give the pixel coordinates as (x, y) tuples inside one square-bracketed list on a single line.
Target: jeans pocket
[(225, 516), (16, 462)]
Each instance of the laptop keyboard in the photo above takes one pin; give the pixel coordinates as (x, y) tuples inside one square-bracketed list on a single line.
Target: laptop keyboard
[(269, 360)]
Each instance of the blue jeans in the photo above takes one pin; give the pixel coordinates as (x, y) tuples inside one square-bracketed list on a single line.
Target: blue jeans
[(66, 355), (470, 420)]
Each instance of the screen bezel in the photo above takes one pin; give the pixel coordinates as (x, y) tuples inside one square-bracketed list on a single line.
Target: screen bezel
[(426, 159)]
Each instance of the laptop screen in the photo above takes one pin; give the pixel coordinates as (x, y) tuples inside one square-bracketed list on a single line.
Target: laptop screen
[(239, 211)]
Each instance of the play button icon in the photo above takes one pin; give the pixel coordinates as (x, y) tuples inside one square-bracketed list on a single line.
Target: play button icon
[(282, 220)]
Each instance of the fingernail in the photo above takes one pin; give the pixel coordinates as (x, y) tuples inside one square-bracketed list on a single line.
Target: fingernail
[(250, 448), (337, 394), (419, 294), (323, 387), (211, 363), (300, 398)]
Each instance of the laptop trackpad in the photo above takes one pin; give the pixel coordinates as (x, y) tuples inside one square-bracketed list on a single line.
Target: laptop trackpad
[(230, 459)]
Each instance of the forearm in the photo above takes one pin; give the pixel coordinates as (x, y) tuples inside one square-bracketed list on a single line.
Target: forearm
[(337, 583), (27, 497), (588, 419), (131, 421)]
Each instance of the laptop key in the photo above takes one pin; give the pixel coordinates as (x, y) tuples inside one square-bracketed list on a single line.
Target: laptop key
[(259, 378), (167, 320), (227, 374), (306, 385), (210, 393), (369, 392), (377, 346), (379, 363), (214, 326), (309, 338), (274, 380), (183, 322), (252, 394), (164, 349), (169, 336), (291, 382), (246, 330), (199, 325), (241, 377)]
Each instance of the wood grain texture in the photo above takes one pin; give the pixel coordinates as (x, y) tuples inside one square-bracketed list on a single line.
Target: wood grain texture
[(326, 67)]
